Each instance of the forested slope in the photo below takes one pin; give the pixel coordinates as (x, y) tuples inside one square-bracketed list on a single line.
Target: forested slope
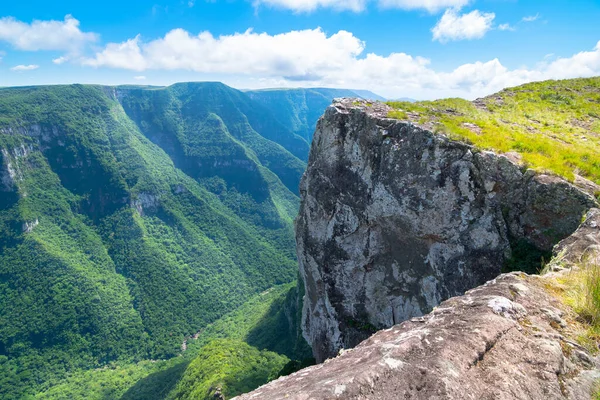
[(116, 242), (299, 109)]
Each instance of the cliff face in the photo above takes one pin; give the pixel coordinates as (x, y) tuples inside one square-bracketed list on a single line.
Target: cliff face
[(395, 219), (509, 339)]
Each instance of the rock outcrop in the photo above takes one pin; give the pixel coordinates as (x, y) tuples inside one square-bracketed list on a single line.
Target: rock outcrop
[(395, 219), (508, 339), (582, 246)]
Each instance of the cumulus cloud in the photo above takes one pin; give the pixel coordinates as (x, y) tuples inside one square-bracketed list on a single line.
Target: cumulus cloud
[(139, 78), (359, 5), (22, 68), (44, 35), (314, 58), (455, 26), (292, 54)]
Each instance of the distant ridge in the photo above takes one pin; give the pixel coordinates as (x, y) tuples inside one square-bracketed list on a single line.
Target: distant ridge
[(300, 109)]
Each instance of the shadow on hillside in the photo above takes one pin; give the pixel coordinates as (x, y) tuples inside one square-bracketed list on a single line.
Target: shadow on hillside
[(279, 330), (156, 386), (274, 331)]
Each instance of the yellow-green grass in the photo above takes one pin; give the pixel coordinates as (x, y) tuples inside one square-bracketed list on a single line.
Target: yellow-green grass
[(554, 125), (580, 290)]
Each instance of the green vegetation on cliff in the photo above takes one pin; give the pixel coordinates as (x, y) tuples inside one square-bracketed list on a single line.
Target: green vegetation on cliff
[(229, 367), (553, 125), (116, 241)]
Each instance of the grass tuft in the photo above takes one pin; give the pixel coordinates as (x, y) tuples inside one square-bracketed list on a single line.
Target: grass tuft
[(580, 289)]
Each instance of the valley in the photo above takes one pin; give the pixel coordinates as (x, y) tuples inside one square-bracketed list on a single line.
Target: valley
[(132, 218), (149, 249)]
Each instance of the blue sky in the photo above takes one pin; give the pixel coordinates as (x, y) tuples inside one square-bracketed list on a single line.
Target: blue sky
[(421, 49)]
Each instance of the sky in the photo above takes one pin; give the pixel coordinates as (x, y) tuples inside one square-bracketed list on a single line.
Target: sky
[(396, 48)]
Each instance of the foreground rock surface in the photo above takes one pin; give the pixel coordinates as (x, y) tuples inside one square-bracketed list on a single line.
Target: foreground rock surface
[(508, 339), (394, 219)]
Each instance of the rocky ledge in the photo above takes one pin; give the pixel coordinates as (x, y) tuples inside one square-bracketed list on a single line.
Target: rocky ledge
[(508, 339), (395, 218)]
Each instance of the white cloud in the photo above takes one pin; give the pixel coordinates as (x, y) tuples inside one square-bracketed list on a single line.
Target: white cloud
[(454, 26), (506, 27), (139, 78), (295, 54), (45, 35), (429, 5), (531, 18), (60, 60), (313, 58), (359, 5), (21, 68)]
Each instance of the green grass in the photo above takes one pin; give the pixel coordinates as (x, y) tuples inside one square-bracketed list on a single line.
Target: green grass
[(554, 125), (580, 290), (584, 297), (590, 307)]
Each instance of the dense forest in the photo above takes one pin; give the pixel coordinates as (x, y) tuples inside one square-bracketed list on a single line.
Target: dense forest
[(131, 219), (299, 109)]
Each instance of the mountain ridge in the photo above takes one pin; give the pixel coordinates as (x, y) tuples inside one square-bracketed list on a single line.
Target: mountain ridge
[(301, 108)]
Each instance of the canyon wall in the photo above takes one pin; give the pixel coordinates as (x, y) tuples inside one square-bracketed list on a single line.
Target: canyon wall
[(509, 339), (395, 219)]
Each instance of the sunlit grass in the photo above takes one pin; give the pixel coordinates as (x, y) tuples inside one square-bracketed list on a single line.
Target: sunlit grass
[(554, 125), (580, 289)]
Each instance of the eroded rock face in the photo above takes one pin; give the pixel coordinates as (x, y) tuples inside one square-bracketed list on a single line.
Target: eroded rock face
[(394, 219)]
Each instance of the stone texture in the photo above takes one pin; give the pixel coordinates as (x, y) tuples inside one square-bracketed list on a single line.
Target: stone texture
[(394, 219), (583, 245), (507, 339)]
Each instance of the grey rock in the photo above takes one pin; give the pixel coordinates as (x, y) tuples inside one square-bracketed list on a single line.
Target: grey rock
[(583, 245), (491, 343), (395, 218)]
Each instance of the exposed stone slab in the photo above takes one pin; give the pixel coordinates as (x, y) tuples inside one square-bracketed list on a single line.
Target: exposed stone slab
[(504, 340)]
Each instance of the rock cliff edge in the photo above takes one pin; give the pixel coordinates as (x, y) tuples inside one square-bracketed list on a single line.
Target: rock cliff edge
[(394, 221)]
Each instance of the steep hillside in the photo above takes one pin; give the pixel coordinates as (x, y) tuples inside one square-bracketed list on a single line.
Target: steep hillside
[(299, 109), (116, 243), (207, 129), (264, 326), (551, 126)]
